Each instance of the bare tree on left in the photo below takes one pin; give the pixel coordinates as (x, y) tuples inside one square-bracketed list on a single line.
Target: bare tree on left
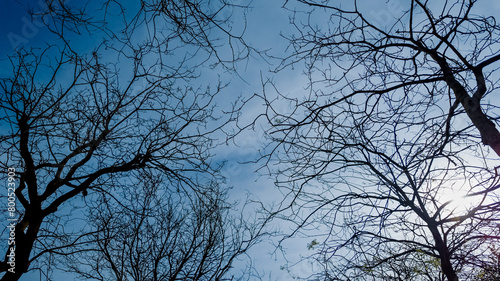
[(106, 99)]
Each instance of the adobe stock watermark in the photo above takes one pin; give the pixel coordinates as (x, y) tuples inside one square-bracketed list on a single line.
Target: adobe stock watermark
[(393, 10), (31, 27), (11, 218)]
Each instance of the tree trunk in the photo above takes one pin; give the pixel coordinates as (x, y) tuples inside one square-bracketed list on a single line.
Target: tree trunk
[(444, 254), (490, 135), (24, 244)]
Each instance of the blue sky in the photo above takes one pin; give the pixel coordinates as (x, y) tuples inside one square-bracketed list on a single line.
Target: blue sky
[(17, 28), (265, 21)]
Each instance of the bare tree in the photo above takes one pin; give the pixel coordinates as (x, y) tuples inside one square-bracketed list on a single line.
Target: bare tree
[(81, 116), (150, 234), (415, 49), (388, 134)]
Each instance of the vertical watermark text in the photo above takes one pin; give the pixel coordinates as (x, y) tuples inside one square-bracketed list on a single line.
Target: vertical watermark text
[(11, 218)]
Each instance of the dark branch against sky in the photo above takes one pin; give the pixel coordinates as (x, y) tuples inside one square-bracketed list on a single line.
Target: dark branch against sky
[(345, 112)]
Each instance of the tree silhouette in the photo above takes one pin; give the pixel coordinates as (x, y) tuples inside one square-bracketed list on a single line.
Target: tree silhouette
[(105, 100), (147, 234), (388, 135)]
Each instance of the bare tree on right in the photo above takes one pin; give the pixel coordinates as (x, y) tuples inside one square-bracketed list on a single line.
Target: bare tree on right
[(388, 153)]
